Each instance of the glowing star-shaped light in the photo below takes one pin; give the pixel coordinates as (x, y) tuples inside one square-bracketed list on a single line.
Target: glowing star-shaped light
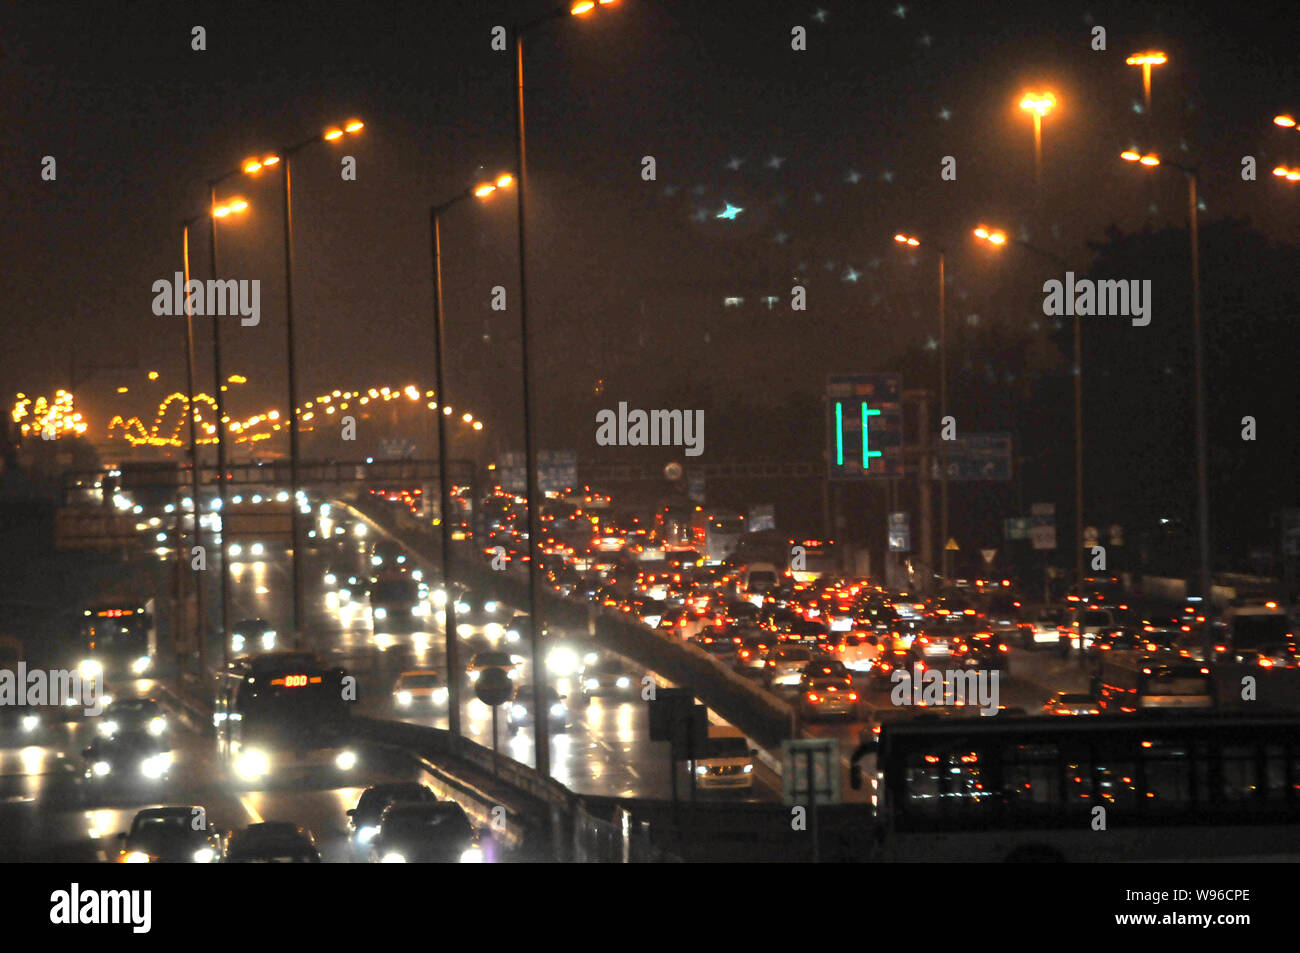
[(900, 11), (945, 113), (931, 344), (851, 275), (1136, 107), (730, 212), (820, 15), (771, 300), (734, 164), (775, 162), (853, 177)]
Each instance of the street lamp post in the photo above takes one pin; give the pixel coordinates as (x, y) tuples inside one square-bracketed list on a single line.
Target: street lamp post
[(914, 242), (1202, 481), (998, 238), (444, 504), (542, 744), (251, 167), (194, 458)]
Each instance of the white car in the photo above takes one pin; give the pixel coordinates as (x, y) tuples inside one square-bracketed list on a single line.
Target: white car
[(729, 762), (1088, 623)]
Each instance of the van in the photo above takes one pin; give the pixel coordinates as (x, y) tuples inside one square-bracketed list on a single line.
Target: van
[(729, 762), (756, 580)]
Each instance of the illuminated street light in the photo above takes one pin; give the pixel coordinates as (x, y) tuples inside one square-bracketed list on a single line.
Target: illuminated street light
[(1291, 175), (1040, 104), (1286, 122), (906, 240), (1146, 61)]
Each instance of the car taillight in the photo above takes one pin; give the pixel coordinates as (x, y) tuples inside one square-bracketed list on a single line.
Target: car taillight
[(853, 696), (812, 697), (1002, 647)]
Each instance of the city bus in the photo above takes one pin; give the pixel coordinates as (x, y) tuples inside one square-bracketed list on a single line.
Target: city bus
[(1221, 787), (817, 559), (717, 533), (117, 640), (1157, 684), (282, 713)]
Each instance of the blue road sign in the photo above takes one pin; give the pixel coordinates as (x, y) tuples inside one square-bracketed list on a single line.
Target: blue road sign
[(864, 426)]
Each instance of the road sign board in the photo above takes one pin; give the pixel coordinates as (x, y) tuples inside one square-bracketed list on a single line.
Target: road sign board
[(952, 544), (557, 470), (1042, 528), (1091, 536), (818, 757), (988, 555), (494, 687), (975, 456), (864, 426), (1016, 527), (900, 533), (93, 528)]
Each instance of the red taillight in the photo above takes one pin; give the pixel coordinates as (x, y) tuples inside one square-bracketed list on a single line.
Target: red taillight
[(1002, 647), (812, 697), (853, 696)]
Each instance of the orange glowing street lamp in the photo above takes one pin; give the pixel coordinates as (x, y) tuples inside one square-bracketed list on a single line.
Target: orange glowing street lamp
[(1283, 172), (1039, 104), (1286, 122), (1146, 61)]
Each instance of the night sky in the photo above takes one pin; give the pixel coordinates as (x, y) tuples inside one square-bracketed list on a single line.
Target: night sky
[(829, 152)]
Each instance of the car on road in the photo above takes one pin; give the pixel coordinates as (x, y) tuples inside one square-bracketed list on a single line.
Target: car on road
[(485, 660), (171, 835), (363, 820), (750, 651), (398, 604), (133, 716), (609, 676), (438, 832), (718, 641), (479, 614), (981, 648), (1072, 703), (1086, 623), (252, 635), (825, 666), (1043, 629), (728, 761), (126, 760), (828, 696), (520, 710), (784, 665), (936, 642), (419, 689), (861, 650), (272, 842)]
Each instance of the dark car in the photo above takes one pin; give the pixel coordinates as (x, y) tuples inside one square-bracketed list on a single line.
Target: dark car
[(273, 842), (363, 820), (609, 676), (133, 716), (720, 642), (126, 759), (981, 648), (252, 635), (171, 835), (433, 833), (520, 710), (825, 666)]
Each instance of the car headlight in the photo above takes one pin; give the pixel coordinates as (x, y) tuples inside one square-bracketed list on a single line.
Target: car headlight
[(440, 696), (401, 559), (420, 610), (376, 560), (381, 613), (403, 698), (346, 760), (156, 766), (558, 710), (237, 643), (366, 834), (518, 712), (473, 675), (330, 579), (268, 639), (439, 597), (471, 856), (252, 764), (257, 549), (512, 636), (490, 606), (462, 606), (748, 768), (136, 857), (562, 661), (157, 725), (141, 665), (623, 682), (494, 630), (101, 768), (30, 722), (392, 857), (108, 728), (234, 549), (90, 668), (345, 595), (417, 574), (701, 769), (592, 684), (205, 855)]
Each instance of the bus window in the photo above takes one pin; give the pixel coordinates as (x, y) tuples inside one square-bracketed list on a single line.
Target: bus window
[(1239, 764), (1031, 777), (1168, 775)]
